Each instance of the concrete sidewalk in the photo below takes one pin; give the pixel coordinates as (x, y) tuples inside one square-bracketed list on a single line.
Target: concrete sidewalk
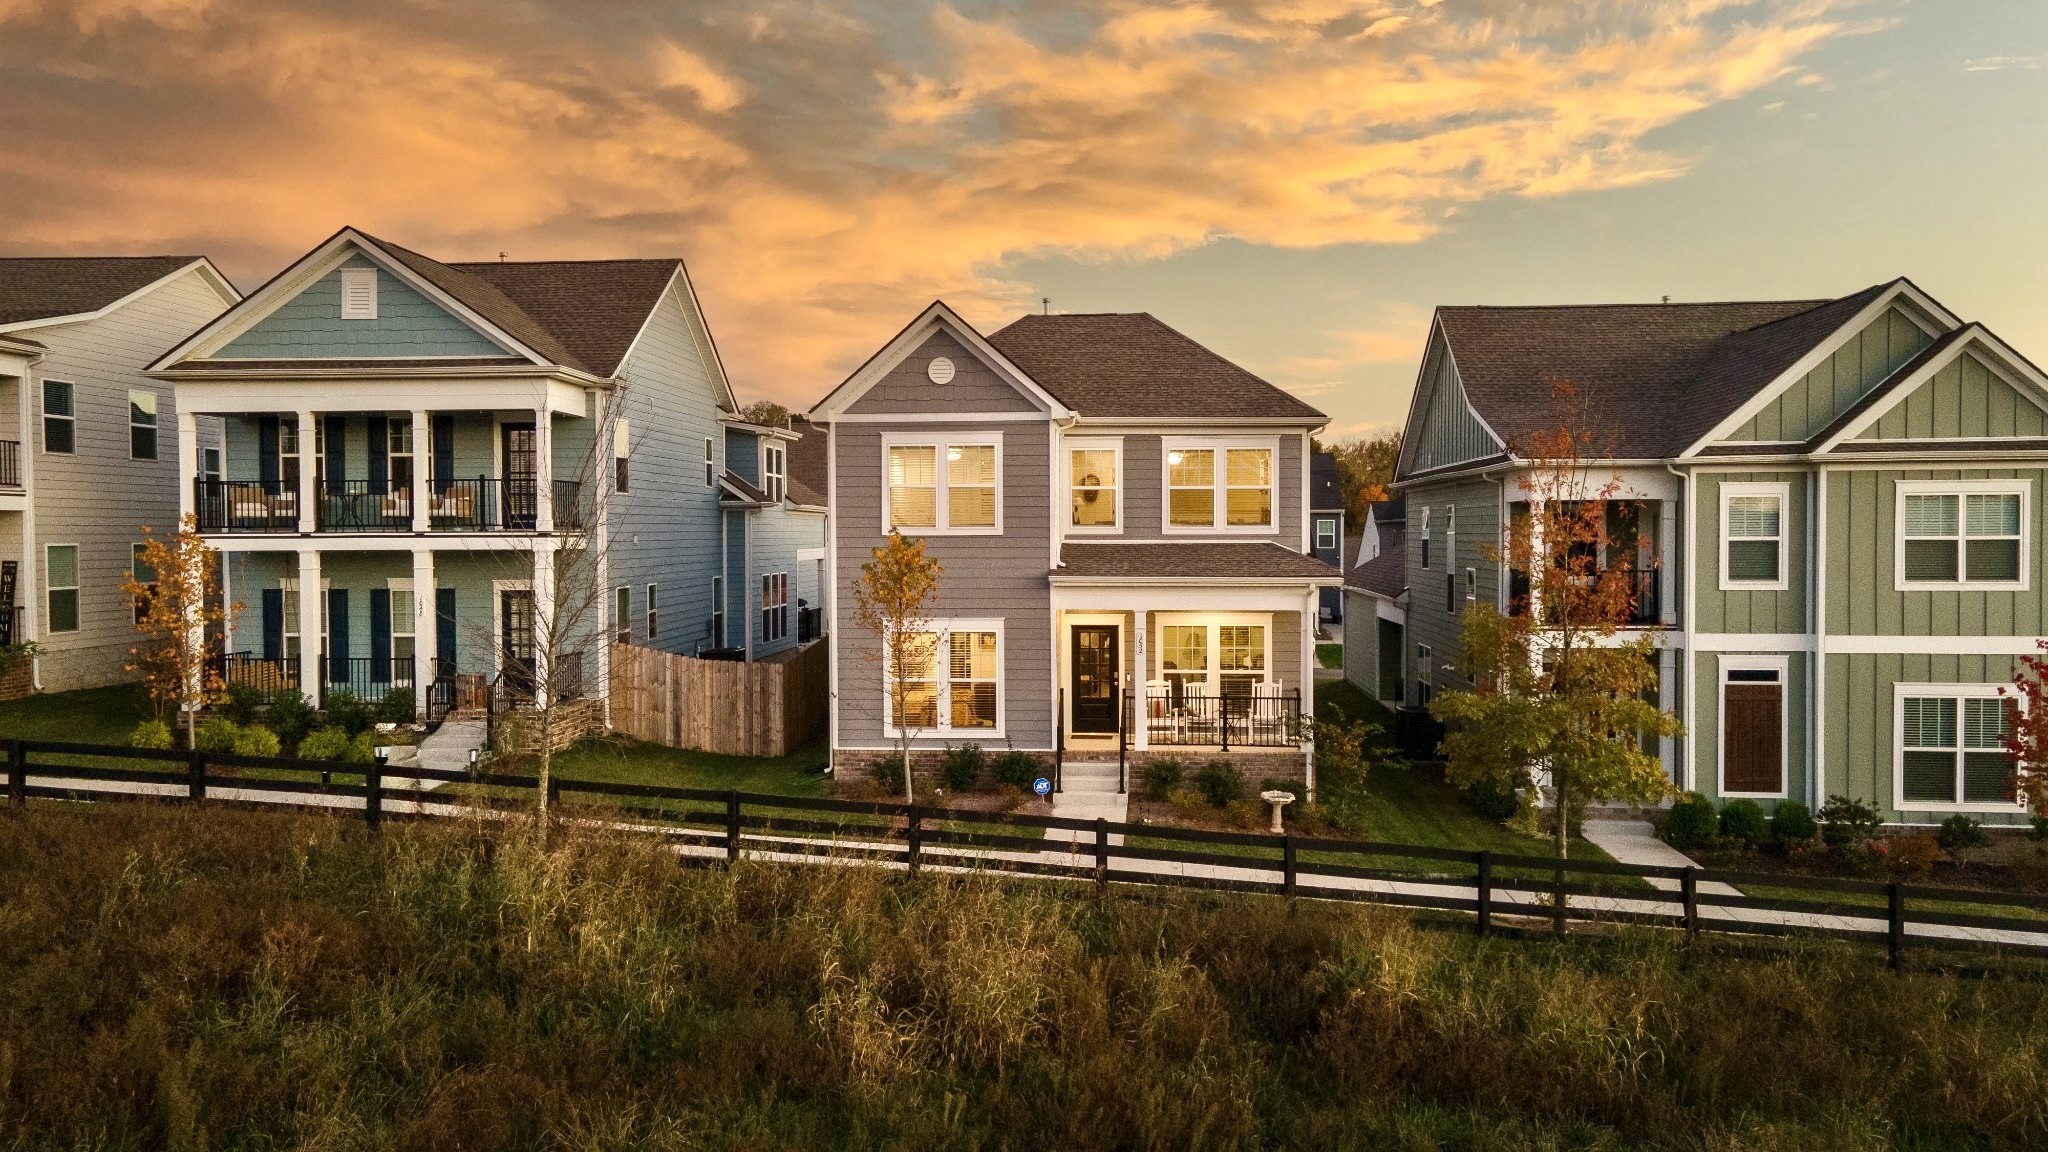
[(1635, 842)]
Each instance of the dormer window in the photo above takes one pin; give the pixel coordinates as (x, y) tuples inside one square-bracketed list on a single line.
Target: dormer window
[(358, 293), (774, 471)]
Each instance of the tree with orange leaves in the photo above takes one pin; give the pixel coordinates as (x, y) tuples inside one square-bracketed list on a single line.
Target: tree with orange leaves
[(177, 594)]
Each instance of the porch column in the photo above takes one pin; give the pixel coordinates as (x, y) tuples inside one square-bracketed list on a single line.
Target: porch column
[(1141, 662), (309, 620), (543, 471), (1309, 619), (422, 464), (188, 469), (425, 634), (546, 621), (1667, 566), (309, 483)]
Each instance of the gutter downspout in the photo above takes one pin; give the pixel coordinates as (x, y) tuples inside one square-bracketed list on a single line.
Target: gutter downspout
[(1817, 616), (26, 584), (1685, 590)]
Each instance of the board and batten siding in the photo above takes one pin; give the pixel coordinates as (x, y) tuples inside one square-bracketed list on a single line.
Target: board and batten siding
[(98, 498), (1815, 399), (982, 577), (1479, 528), (1451, 430), (1862, 592), (1964, 400), (1144, 481), (1859, 752), (407, 324), (1750, 610)]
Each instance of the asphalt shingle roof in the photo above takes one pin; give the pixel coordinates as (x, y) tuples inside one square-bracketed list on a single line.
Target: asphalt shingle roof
[(1385, 573), (1215, 560), (1130, 365), (40, 287), (806, 460)]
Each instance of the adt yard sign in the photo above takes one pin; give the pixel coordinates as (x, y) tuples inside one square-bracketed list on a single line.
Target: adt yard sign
[(1041, 785)]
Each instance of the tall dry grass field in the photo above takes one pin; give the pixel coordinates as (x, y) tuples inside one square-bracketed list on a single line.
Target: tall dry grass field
[(172, 978)]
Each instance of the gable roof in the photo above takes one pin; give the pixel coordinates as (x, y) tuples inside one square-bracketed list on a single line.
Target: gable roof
[(1385, 574), (48, 287), (1129, 365), (1325, 483), (936, 317), (808, 482)]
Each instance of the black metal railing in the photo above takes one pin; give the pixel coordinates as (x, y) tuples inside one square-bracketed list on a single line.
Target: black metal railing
[(269, 677), (483, 504), (1259, 718), (245, 506), (364, 506), (365, 677), (463, 505), (1646, 600), (810, 623), (569, 512), (10, 463)]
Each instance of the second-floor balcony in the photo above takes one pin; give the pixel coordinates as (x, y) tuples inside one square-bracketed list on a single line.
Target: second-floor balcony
[(10, 464), (480, 504), (1643, 588)]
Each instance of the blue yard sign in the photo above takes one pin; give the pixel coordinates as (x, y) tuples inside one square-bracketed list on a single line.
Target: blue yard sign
[(1041, 785)]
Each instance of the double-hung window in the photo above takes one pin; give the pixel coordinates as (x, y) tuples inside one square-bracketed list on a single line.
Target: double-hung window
[(1962, 534), (774, 606), (141, 424), (1326, 534), (398, 454), (710, 465), (950, 679), (1094, 472), (1753, 536), (1212, 485), (622, 613), (60, 417), (1425, 539), (1207, 659), (622, 442), (404, 629), (60, 582), (942, 485), (653, 612), (1951, 742), (774, 471)]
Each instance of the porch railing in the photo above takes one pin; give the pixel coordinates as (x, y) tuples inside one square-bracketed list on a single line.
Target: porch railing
[(244, 506), (10, 463), (365, 506), (268, 677), (366, 677), (1646, 603), (483, 504), (1261, 718), (810, 624)]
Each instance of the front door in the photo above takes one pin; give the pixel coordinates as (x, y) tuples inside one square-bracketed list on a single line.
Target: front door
[(1753, 733), (1095, 673), (515, 642), (522, 473)]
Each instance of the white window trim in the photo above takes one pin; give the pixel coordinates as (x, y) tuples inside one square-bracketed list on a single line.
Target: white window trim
[(1111, 444), (1424, 553), (710, 464), (942, 511), (651, 615), (942, 658), (288, 588), (43, 404), (155, 425), (1220, 485), (1213, 623), (2024, 489), (1323, 522), (1783, 491), (1953, 691), (361, 282), (622, 622), (498, 590), (1782, 665), (770, 611), (408, 628), (717, 636), (774, 471), (76, 587)]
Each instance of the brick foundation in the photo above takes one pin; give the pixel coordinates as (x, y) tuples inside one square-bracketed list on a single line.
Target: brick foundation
[(18, 681)]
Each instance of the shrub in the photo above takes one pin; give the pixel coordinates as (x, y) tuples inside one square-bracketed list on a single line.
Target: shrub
[(1961, 831), (1492, 799), (1246, 813), (1744, 820), (962, 766), (1161, 777), (328, 743), (1017, 769), (1915, 854), (347, 711), (1792, 823), (1693, 822), (1187, 804), (399, 706), (887, 771), (1220, 782), (215, 734), (255, 740), (2041, 827), (362, 749), (1847, 824), (1340, 750), (291, 717), (151, 734), (241, 702)]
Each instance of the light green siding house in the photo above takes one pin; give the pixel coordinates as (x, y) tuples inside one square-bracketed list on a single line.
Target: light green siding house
[(1838, 533)]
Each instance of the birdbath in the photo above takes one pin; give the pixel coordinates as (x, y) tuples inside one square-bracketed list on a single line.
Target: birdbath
[(1278, 800)]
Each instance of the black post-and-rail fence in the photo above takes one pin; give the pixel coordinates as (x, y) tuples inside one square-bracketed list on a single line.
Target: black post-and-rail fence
[(729, 824)]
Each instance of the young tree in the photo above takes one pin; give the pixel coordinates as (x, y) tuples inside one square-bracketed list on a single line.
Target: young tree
[(177, 594), (890, 600), (766, 413), (2026, 729), (1555, 689)]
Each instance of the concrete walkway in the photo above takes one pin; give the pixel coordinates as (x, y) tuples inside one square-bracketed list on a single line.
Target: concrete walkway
[(1635, 842), (1088, 792)]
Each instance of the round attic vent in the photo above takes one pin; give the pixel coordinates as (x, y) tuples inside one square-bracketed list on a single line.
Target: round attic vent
[(940, 370)]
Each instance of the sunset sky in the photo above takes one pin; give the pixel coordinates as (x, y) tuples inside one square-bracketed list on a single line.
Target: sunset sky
[(1295, 183)]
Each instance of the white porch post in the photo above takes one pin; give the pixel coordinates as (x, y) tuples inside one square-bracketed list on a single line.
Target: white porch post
[(1667, 578), (309, 621), (543, 470), (545, 621), (1309, 618), (188, 469), (424, 634), (1141, 636), (309, 484), (422, 463)]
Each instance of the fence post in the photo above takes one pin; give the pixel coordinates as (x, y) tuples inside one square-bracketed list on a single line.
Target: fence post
[(1059, 741), (1123, 704), (1287, 869), (373, 792), (195, 774), (17, 773), (1689, 893), (915, 835), (1895, 936), (1101, 853), (1485, 891), (732, 825)]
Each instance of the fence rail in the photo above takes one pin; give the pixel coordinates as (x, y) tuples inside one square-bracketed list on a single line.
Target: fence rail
[(730, 824)]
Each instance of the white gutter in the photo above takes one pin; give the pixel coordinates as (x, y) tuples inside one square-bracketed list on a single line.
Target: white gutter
[(1687, 531)]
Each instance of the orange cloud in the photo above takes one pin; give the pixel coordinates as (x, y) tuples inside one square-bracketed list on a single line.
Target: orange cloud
[(827, 168)]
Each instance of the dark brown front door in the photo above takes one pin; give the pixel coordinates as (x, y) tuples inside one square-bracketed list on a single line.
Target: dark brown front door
[(1753, 738), (1095, 666)]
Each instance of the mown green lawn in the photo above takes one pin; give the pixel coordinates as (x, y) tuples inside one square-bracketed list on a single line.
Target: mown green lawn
[(621, 761), (88, 716), (1330, 655)]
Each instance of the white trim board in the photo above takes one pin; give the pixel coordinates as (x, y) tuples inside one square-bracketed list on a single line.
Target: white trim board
[(1782, 665), (1958, 692), (935, 318), (1862, 645), (1997, 357), (219, 283)]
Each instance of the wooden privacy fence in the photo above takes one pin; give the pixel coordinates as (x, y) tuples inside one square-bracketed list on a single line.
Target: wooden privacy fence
[(737, 708)]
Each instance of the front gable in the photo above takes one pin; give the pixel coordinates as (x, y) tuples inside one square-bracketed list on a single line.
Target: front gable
[(1966, 399), (1816, 399), (309, 325), (1443, 427), (910, 386)]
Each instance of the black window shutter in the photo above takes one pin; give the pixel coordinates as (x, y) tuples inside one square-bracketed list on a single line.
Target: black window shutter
[(273, 623), (380, 456), (337, 634), (444, 451), (266, 454), (337, 452), (380, 635), (444, 628)]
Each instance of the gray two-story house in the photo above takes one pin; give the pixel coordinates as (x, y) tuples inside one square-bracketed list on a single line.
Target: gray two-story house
[(1122, 517), (430, 469), (1835, 528)]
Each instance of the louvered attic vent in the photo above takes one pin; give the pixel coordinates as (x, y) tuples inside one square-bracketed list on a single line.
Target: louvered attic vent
[(358, 293)]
